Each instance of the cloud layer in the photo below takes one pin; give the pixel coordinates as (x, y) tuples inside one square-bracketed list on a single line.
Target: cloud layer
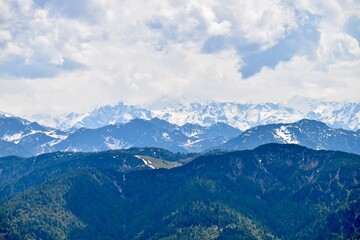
[(60, 56)]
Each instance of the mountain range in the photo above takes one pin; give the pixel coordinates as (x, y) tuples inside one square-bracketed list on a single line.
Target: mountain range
[(272, 192), (23, 138), (345, 115)]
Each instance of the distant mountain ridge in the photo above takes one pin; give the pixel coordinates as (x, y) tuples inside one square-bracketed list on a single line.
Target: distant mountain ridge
[(309, 133), (23, 138), (243, 116)]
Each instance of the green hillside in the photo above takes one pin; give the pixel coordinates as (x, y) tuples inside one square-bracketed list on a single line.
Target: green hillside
[(272, 192)]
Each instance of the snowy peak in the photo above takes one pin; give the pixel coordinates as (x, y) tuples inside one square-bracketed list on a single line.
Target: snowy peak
[(243, 116), (336, 114), (120, 113), (5, 115), (238, 115), (303, 104)]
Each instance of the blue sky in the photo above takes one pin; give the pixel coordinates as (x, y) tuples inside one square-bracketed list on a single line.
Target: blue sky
[(61, 56)]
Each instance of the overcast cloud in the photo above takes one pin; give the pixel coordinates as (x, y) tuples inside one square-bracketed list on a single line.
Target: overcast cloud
[(61, 56)]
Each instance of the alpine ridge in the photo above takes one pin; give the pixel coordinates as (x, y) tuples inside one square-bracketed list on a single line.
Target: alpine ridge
[(23, 138), (243, 116)]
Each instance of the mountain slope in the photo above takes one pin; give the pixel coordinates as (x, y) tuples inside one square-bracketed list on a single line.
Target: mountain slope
[(136, 133), (9, 148), (309, 133), (197, 138), (51, 207), (272, 192), (18, 174)]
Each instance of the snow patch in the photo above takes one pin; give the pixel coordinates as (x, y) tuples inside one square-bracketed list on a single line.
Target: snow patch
[(192, 134), (113, 143), (54, 134), (283, 134), (147, 162), (189, 143), (166, 136), (13, 138), (5, 115)]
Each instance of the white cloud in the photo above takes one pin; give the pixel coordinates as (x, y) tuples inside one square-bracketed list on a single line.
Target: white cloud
[(335, 44), (302, 77), (69, 56), (5, 36), (262, 21), (337, 47)]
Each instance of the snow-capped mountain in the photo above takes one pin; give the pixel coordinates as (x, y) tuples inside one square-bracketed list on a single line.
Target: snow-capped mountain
[(243, 116), (99, 117), (145, 133), (136, 133), (23, 138), (344, 115), (336, 114), (309, 133)]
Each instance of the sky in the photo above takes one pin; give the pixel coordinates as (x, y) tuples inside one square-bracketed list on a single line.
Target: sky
[(59, 56)]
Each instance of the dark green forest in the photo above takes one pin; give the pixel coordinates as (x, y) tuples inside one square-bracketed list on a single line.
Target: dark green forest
[(271, 192)]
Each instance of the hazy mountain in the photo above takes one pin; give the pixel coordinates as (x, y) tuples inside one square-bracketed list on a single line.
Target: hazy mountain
[(120, 113), (243, 116), (272, 192), (99, 117), (344, 115), (309, 133)]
